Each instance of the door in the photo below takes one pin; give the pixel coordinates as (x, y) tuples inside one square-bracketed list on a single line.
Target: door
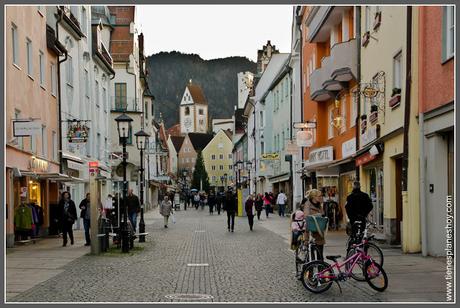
[(398, 192)]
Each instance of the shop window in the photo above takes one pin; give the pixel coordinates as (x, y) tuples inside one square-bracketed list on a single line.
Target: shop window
[(41, 63)]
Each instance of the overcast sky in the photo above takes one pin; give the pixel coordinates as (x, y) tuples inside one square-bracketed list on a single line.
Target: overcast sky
[(215, 31)]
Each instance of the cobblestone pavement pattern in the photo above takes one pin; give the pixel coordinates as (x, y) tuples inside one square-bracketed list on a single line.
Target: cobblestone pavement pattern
[(242, 266)]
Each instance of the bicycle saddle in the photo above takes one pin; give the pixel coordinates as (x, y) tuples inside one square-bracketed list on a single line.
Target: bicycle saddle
[(333, 258)]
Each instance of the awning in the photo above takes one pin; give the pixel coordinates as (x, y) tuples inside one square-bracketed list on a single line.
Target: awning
[(280, 178), (57, 177), (342, 161), (72, 157)]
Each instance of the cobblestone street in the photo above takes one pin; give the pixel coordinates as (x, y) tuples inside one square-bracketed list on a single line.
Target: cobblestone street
[(242, 266)]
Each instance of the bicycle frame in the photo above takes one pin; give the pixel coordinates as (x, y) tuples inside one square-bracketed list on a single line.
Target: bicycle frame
[(359, 255)]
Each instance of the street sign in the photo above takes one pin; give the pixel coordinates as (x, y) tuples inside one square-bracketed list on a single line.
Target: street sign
[(292, 148), (306, 125), (270, 156), (26, 128)]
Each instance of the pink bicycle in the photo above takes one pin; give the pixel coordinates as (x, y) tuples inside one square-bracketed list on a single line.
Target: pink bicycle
[(318, 276)]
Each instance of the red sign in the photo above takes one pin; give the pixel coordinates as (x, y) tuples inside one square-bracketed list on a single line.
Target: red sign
[(93, 164), (364, 159), (93, 168)]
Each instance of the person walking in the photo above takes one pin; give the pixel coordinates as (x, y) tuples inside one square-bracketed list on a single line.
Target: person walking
[(196, 200), (230, 206), (68, 215), (358, 206), (211, 202), (166, 209), (250, 210), (313, 207), (219, 201), (267, 203), (281, 201), (134, 207), (85, 214), (259, 205)]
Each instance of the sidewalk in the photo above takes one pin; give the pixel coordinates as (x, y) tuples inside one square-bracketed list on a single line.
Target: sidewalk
[(412, 277), (31, 264)]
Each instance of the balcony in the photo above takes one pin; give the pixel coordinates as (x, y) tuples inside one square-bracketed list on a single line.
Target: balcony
[(71, 22), (335, 71), (126, 104)]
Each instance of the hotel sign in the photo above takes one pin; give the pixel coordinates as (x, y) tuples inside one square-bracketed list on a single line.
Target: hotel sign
[(37, 164), (26, 128), (321, 155)]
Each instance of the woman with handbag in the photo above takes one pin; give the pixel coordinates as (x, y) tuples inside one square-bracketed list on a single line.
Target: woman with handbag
[(314, 214), (68, 216)]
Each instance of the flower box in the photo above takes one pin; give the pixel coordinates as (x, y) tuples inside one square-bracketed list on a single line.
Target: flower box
[(377, 20), (373, 117), (366, 37), (395, 101)]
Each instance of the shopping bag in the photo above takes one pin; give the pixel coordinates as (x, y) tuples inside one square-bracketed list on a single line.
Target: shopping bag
[(317, 223), (173, 218)]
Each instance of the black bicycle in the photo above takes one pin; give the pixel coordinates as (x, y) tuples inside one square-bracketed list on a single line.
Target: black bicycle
[(305, 252)]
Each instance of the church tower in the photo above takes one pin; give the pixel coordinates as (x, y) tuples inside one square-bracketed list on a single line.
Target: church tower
[(193, 110)]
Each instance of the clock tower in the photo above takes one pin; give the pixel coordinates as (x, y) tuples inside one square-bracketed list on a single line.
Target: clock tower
[(193, 110)]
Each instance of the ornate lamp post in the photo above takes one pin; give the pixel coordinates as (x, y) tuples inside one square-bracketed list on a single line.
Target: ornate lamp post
[(184, 178), (142, 139), (123, 124), (225, 180)]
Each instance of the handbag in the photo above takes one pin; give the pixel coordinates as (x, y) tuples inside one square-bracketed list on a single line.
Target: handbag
[(317, 224), (173, 218)]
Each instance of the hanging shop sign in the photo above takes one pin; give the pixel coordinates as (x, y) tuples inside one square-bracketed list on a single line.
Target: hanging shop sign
[(26, 128), (349, 148), (77, 131), (305, 138), (270, 156), (364, 159), (292, 148), (321, 155), (93, 168), (38, 165)]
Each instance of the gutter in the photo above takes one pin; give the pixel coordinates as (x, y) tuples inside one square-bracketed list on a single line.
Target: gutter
[(422, 164), (358, 79), (407, 99), (60, 13), (299, 24)]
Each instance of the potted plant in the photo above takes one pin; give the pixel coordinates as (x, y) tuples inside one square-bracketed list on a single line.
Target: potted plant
[(395, 97), (374, 108), (366, 37), (377, 19), (363, 117)]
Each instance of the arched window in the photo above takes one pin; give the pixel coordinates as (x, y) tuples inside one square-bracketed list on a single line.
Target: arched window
[(187, 110)]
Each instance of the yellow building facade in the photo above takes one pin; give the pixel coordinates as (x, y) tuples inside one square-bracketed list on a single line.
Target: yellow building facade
[(218, 160)]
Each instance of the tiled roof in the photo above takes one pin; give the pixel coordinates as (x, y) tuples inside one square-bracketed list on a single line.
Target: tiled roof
[(174, 130), (197, 94), (229, 133), (177, 142), (200, 141)]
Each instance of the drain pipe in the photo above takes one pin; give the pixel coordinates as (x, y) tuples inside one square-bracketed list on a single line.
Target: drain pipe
[(299, 24), (422, 186), (358, 79), (60, 11), (407, 99)]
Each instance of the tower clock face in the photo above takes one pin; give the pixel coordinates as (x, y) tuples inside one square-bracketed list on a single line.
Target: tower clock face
[(188, 122)]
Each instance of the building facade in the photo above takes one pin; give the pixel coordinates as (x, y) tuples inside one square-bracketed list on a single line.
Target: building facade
[(218, 159), (193, 110)]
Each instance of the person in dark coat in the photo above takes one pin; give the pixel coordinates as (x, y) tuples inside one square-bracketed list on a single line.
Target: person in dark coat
[(259, 203), (68, 215), (134, 207), (230, 206), (85, 214), (250, 210), (358, 206), (211, 202), (219, 201)]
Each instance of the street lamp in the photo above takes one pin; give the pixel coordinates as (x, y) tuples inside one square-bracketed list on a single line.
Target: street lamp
[(238, 166), (184, 177), (142, 139), (248, 168), (123, 124)]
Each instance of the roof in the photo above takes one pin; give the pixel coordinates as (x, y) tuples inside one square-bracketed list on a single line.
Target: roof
[(177, 142), (174, 130), (271, 72), (229, 133), (200, 141), (197, 94)]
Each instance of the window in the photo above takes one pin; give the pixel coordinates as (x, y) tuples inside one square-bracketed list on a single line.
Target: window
[(41, 61), (282, 140), (261, 114), (146, 110), (86, 77), (44, 142), (33, 143), (221, 167), (330, 128), (262, 147), (17, 116), (120, 96), (200, 111), (14, 36), (106, 147), (230, 167), (29, 58), (98, 146), (213, 178), (152, 110), (448, 32), (397, 70), (230, 156), (130, 135), (187, 110), (213, 157), (69, 69), (104, 100), (343, 112), (55, 146), (53, 79), (221, 156), (97, 93), (84, 21), (213, 167)]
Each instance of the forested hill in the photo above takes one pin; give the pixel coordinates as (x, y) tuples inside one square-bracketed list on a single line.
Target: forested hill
[(169, 73)]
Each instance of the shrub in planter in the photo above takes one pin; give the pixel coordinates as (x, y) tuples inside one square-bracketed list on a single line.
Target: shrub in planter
[(395, 91)]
